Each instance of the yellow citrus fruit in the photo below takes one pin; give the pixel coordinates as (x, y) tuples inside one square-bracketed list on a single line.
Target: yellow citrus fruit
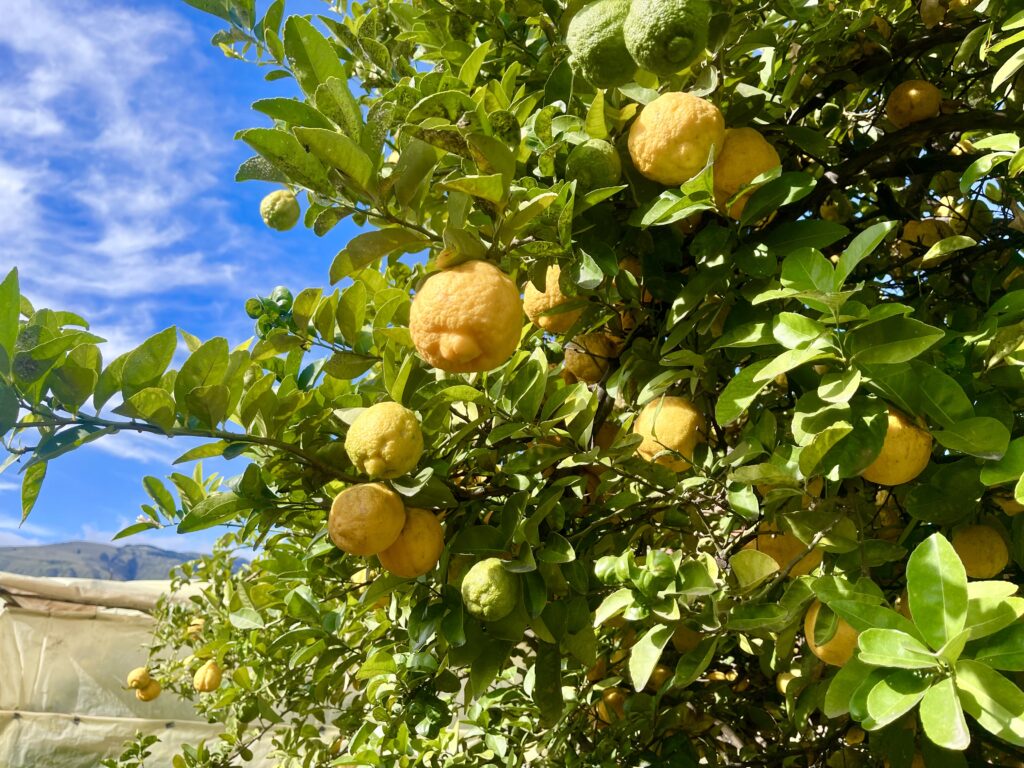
[(912, 101), (744, 156), (669, 423), (385, 440), (207, 678), (362, 578), (854, 736), (587, 357), (1010, 506), (489, 592), (538, 303), (784, 548), (612, 706), (417, 548), (195, 627), (148, 692), (839, 648), (966, 217), (905, 452), (280, 210), (467, 318), (659, 677), (674, 137), (784, 679), (685, 639), (982, 550), (921, 235), (138, 678), (365, 519)]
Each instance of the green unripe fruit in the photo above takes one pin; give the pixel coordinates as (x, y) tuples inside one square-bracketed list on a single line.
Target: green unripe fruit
[(254, 308), (597, 48), (592, 165), (489, 592), (664, 36), (281, 297), (280, 210)]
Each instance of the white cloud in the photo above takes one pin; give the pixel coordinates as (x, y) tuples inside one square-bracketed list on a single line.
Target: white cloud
[(8, 523), (14, 540), (140, 447)]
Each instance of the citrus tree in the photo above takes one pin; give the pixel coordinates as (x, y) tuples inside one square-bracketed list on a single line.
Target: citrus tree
[(667, 410)]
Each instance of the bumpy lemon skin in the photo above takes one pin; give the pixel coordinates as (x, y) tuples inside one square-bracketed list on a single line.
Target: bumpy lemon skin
[(906, 451), (911, 102), (385, 441), (593, 164), (982, 550), (744, 156), (365, 519), (208, 677), (840, 647), (674, 136), (489, 592), (280, 210), (783, 548), (417, 548), (596, 44), (138, 678), (587, 357), (467, 318), (536, 303), (664, 36), (149, 691), (669, 423)]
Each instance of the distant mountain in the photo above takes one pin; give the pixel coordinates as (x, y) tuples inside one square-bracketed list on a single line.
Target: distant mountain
[(86, 560)]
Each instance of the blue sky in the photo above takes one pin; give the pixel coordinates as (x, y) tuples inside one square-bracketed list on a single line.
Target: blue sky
[(117, 202)]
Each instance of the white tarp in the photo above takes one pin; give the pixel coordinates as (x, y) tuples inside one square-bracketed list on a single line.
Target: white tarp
[(66, 646)]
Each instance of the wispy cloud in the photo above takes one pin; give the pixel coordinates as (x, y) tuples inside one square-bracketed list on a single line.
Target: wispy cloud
[(139, 447)]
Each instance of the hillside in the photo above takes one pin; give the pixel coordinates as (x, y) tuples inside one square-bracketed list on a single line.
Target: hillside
[(88, 560)]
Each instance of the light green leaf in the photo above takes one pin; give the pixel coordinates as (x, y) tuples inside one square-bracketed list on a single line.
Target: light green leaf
[(644, 656), (214, 510), (893, 648), (312, 58), (980, 436), (894, 340), (471, 66), (895, 695), (942, 717), (338, 151), (31, 484), (146, 364), (741, 391), (988, 615), (937, 590), (365, 249), (1003, 650), (334, 99), (246, 618), (491, 187), (282, 150), (751, 567), (992, 700), (842, 687), (10, 301), (862, 246)]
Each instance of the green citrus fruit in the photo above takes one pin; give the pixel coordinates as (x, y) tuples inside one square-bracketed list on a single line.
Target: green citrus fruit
[(489, 592), (664, 36), (593, 164), (280, 210), (597, 48)]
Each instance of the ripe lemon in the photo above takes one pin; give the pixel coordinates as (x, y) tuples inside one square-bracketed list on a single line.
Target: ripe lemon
[(417, 548), (966, 217), (385, 441), (592, 165), (744, 156), (783, 548), (365, 519), (912, 101), (982, 550), (840, 648), (664, 36), (597, 49), (207, 678), (195, 628), (467, 318), (588, 357), (612, 706), (685, 639), (920, 236), (669, 423), (489, 592), (905, 453), (139, 678), (538, 303), (148, 692), (659, 677), (280, 210), (674, 137)]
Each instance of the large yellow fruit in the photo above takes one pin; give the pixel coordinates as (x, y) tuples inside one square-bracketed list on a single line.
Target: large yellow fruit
[(537, 303), (385, 440), (784, 548), (612, 706), (982, 550), (966, 217), (588, 357), (744, 156), (920, 236), (840, 647), (417, 548), (669, 423), (207, 678), (674, 137), (365, 519), (467, 318), (912, 101), (138, 678), (906, 451), (148, 692)]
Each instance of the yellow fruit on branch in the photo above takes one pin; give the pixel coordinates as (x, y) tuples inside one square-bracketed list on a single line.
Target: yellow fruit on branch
[(675, 136), (982, 550), (489, 592), (139, 678), (612, 706), (385, 441), (784, 548), (280, 210), (659, 676), (744, 156), (921, 235), (913, 101), (467, 318), (366, 519), (587, 357), (195, 627), (966, 217), (672, 424), (417, 548), (685, 639), (538, 304), (149, 691), (840, 648), (906, 451), (208, 677)]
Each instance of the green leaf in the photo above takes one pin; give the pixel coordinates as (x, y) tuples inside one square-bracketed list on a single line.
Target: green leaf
[(547, 685), (209, 450), (751, 567), (135, 528), (594, 123), (806, 233), (842, 687), (282, 150), (246, 618), (348, 365), (863, 616), (946, 246), (895, 695), (311, 57), (293, 112), (893, 648), (145, 365), (471, 66), (1007, 469), (365, 249), (613, 604), (9, 407), (894, 340), (206, 366), (937, 590), (338, 151), (807, 270), (31, 484), (787, 188), (153, 405), (992, 700), (862, 246), (214, 510), (10, 302), (740, 393), (258, 168), (490, 187), (1003, 650), (980, 436), (942, 717), (644, 656), (334, 99)]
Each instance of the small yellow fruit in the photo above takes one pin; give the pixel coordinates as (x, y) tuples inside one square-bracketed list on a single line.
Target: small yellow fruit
[(744, 156), (784, 548), (685, 639), (906, 451), (537, 303), (385, 441), (783, 681), (148, 692), (659, 677), (365, 519), (612, 706), (854, 736), (840, 648), (912, 101), (207, 678), (921, 235), (467, 318), (982, 550), (966, 217), (280, 210), (1010, 506), (195, 627), (417, 548), (138, 678), (588, 357), (669, 423), (675, 136)]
